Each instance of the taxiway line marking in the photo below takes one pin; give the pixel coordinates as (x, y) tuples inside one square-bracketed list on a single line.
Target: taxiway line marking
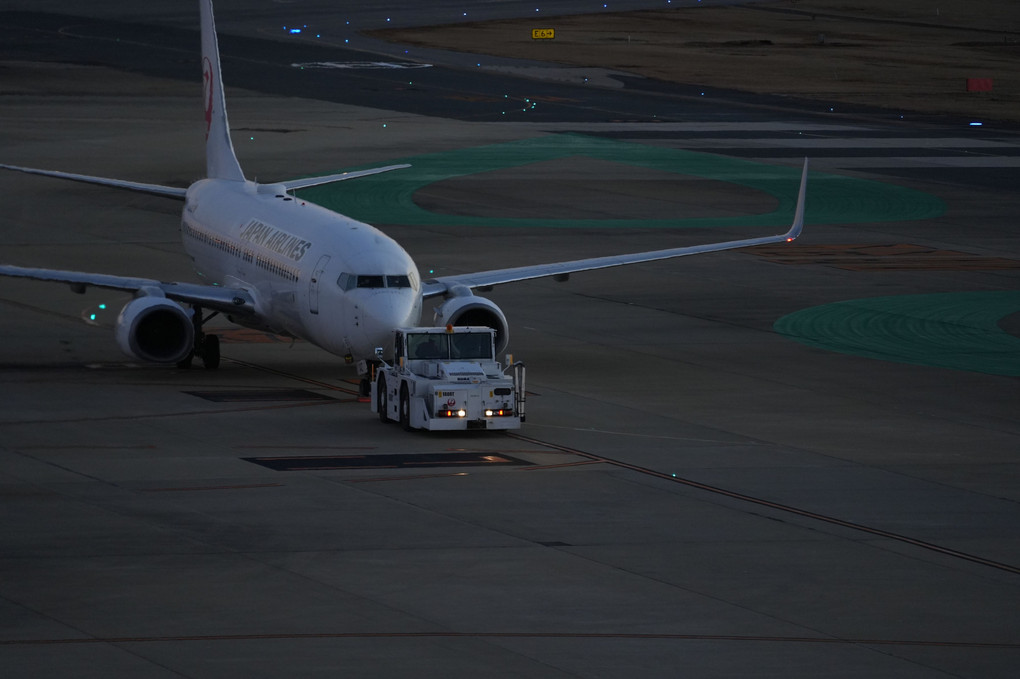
[(182, 413), (777, 506)]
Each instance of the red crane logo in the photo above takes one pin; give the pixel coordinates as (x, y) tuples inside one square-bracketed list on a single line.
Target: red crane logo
[(207, 81)]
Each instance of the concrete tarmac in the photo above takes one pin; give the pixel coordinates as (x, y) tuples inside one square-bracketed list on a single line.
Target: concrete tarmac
[(706, 485)]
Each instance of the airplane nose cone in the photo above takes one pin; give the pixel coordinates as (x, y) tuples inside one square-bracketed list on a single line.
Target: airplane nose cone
[(384, 312)]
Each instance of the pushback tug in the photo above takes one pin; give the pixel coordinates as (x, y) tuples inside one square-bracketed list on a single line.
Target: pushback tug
[(448, 378)]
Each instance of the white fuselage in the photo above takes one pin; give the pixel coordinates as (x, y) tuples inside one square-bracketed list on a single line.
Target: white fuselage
[(338, 283)]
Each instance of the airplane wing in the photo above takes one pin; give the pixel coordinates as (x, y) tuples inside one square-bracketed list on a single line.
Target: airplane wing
[(174, 192), (227, 300), (154, 189), (295, 184), (561, 270)]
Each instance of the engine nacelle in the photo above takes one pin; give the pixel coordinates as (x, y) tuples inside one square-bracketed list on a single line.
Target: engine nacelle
[(469, 309), (155, 329)]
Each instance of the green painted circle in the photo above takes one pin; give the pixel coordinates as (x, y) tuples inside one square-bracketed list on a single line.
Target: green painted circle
[(950, 330), (388, 198)]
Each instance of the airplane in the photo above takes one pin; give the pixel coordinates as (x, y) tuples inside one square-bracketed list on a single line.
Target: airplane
[(276, 263)]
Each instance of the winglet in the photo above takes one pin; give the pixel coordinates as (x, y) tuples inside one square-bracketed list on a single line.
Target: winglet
[(441, 285), (798, 213), (220, 160)]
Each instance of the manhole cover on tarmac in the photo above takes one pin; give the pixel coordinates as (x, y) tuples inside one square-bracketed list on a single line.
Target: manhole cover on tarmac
[(387, 461), (259, 395)]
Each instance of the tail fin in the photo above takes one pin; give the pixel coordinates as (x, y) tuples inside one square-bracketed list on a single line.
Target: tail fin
[(220, 161)]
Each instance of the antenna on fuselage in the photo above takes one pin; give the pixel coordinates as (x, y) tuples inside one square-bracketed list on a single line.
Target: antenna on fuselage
[(220, 160)]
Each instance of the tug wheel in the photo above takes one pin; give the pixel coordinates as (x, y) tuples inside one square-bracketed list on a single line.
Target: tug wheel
[(382, 402), (405, 408)]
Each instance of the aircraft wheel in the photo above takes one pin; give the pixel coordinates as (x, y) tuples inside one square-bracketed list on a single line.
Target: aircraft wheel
[(211, 352), (382, 401)]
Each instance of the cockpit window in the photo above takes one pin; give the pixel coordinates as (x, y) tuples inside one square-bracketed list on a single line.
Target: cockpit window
[(349, 281), (398, 282), (370, 281)]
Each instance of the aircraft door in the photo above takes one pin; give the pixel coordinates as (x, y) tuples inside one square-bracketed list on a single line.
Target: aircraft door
[(313, 285)]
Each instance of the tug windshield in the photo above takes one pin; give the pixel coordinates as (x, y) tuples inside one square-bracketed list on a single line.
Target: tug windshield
[(428, 346), (472, 346), (467, 346)]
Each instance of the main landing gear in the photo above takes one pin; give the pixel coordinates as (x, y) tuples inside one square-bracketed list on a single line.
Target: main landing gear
[(207, 347)]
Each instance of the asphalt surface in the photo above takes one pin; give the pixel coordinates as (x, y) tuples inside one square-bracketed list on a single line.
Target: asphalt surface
[(787, 462)]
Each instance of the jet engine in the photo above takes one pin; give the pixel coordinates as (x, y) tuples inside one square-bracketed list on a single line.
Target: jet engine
[(465, 308), (155, 329)]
